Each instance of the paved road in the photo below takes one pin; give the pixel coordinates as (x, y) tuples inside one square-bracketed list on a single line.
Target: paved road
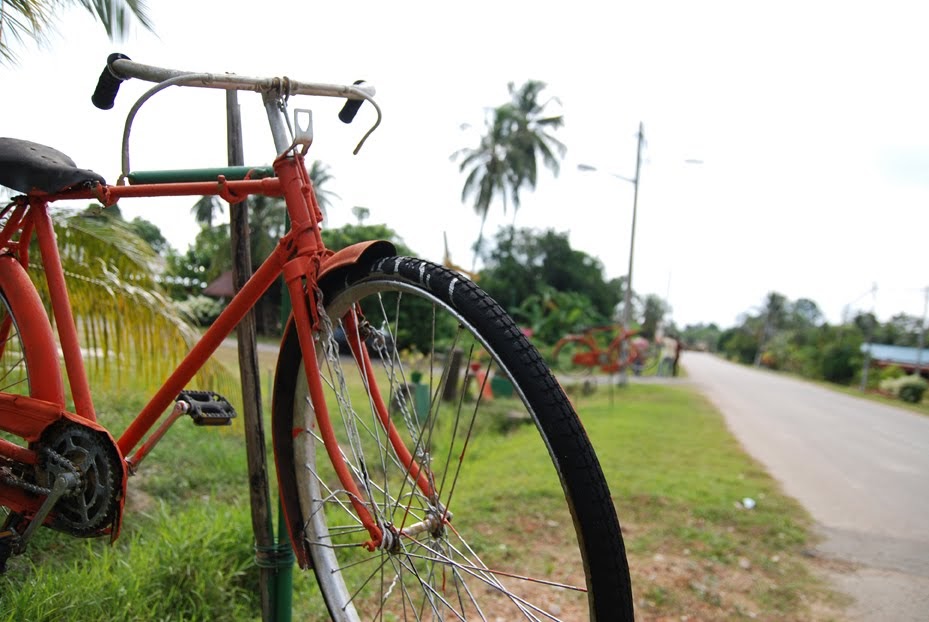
[(860, 468)]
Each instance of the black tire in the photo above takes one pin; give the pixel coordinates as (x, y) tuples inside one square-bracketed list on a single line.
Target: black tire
[(486, 525)]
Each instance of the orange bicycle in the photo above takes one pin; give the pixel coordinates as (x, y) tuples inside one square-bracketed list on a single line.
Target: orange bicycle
[(391, 507), (583, 354)]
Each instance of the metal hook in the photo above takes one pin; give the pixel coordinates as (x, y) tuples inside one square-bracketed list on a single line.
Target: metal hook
[(303, 134)]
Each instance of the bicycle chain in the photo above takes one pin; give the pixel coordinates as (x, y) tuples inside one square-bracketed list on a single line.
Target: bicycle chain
[(35, 489)]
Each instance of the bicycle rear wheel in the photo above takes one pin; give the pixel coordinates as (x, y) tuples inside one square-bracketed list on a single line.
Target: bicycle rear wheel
[(28, 355), (14, 375), (509, 517)]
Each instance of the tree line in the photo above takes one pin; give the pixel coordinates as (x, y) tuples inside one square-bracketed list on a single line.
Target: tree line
[(793, 336)]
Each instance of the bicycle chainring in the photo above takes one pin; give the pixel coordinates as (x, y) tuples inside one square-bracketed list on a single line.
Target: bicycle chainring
[(93, 505)]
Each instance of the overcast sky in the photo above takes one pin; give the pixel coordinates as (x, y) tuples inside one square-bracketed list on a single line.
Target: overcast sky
[(810, 119)]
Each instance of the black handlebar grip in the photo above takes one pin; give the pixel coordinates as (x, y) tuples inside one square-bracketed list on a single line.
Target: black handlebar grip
[(105, 94), (350, 109)]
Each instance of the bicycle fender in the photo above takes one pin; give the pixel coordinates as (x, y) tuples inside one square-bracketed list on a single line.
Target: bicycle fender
[(36, 330), (335, 266), (349, 256)]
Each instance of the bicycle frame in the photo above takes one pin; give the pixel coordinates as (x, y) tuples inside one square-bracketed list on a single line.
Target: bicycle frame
[(300, 256)]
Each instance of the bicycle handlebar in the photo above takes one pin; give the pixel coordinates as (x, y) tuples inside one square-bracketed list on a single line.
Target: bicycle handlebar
[(107, 86), (120, 68)]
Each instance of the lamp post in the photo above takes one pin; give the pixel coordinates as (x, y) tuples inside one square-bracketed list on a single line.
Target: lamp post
[(627, 302)]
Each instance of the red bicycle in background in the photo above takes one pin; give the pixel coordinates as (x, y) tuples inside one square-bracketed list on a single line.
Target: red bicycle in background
[(390, 507), (607, 349)]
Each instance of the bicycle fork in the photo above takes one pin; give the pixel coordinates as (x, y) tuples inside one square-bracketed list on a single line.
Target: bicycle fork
[(300, 275)]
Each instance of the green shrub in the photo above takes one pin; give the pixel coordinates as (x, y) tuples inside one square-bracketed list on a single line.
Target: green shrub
[(912, 390), (840, 362), (202, 309), (908, 388), (891, 372)]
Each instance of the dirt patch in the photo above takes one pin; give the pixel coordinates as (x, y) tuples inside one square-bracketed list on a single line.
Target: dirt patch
[(137, 500), (681, 586)]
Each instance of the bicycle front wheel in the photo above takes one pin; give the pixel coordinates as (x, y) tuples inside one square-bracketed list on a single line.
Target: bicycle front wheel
[(501, 513)]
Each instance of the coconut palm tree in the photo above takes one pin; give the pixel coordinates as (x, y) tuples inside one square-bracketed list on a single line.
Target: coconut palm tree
[(517, 134), (206, 209), (531, 135), (320, 177), (488, 176), (21, 19)]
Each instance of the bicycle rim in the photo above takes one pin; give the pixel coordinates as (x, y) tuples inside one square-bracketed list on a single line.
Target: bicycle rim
[(509, 516)]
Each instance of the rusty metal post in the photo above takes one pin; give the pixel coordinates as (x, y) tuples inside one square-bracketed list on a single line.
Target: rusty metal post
[(259, 494)]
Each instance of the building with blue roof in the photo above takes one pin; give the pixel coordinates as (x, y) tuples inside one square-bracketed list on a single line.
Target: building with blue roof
[(908, 359)]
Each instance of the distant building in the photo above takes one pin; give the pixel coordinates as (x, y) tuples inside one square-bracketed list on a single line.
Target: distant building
[(907, 359), (221, 286)]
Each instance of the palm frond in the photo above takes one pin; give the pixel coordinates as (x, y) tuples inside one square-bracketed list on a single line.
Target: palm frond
[(115, 15), (22, 19), (131, 333)]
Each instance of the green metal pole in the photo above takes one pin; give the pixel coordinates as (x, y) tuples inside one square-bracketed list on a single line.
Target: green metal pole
[(283, 587)]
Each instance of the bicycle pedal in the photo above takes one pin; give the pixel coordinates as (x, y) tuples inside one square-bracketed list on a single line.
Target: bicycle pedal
[(207, 407)]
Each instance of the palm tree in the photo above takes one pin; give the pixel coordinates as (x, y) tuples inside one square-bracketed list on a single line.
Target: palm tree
[(267, 222), (489, 175), (505, 161), (206, 209), (531, 135), (21, 19), (320, 176)]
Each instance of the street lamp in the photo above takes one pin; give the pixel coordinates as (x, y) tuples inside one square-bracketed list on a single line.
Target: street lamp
[(627, 302)]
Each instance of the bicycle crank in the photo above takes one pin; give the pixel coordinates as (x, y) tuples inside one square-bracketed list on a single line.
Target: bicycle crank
[(91, 505)]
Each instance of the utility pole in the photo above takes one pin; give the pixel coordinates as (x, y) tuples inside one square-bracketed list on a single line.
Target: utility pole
[(627, 303), (867, 357), (922, 333)]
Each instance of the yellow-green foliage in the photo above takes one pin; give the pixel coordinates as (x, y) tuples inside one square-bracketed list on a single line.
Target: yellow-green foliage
[(132, 335)]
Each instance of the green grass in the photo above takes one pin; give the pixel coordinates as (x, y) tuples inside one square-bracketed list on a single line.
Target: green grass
[(677, 477), (675, 473), (921, 408), (179, 563)]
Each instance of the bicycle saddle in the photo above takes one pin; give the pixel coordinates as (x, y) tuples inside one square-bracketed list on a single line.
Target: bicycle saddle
[(27, 166)]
